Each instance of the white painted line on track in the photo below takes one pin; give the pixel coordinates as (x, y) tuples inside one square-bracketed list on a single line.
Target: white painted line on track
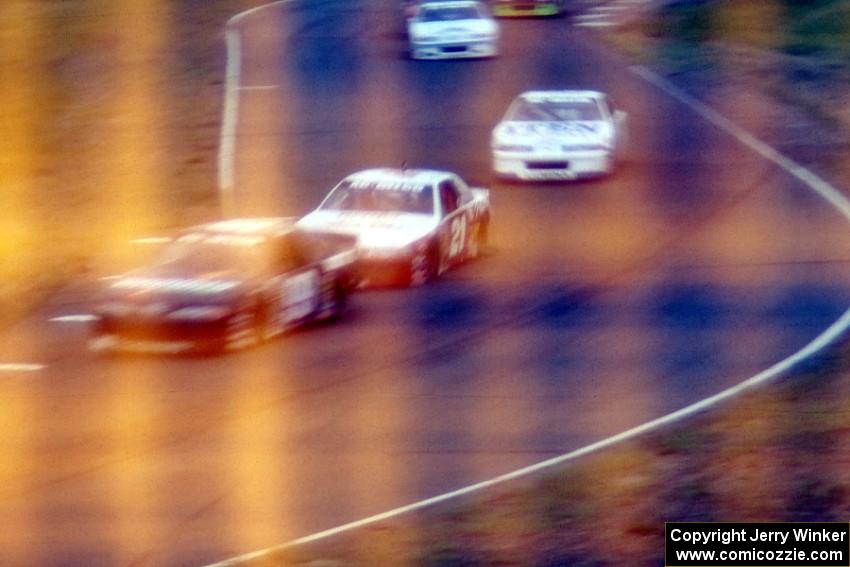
[(76, 318), (824, 189), (829, 335), (21, 367), (229, 122), (594, 24), (152, 240), (230, 114)]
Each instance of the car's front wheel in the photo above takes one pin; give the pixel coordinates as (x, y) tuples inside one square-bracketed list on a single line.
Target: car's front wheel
[(271, 323), (243, 329), (425, 264)]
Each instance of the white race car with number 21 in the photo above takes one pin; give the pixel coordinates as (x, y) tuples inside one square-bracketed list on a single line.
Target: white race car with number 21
[(411, 225)]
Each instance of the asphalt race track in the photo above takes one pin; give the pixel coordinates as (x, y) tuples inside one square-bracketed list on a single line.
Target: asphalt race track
[(598, 306)]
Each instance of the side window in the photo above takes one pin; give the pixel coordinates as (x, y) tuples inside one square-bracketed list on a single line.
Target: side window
[(448, 197), (464, 194)]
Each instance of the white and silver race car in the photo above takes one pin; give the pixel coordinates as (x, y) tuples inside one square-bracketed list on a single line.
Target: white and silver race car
[(551, 135), (411, 225), (451, 29)]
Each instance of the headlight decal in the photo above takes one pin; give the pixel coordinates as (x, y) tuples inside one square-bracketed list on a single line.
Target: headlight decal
[(514, 148)]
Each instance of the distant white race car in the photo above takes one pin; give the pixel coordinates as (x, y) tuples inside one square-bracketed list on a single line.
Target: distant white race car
[(551, 135), (411, 225), (451, 29), (523, 8)]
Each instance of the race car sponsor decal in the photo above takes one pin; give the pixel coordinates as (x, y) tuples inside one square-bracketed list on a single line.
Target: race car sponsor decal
[(457, 244), (558, 97), (395, 185), (571, 128), (175, 284), (360, 220), (227, 239)]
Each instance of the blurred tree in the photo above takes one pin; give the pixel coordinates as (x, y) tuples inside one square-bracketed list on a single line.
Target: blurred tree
[(755, 23)]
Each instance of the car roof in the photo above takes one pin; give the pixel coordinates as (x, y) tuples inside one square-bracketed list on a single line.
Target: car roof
[(562, 94), (266, 227), (400, 176)]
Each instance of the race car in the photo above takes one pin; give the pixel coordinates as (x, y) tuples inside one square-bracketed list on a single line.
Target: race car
[(224, 286), (452, 29), (411, 7), (411, 225), (526, 8), (551, 135)]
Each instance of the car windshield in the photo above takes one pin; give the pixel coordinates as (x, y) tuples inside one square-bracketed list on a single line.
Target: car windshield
[(448, 13), (381, 197), (546, 110), (195, 253)]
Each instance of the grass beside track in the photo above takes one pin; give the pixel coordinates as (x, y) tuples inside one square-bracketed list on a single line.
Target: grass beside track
[(796, 53)]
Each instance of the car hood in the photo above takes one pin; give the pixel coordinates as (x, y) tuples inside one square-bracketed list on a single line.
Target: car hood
[(576, 132), (373, 229), (174, 289)]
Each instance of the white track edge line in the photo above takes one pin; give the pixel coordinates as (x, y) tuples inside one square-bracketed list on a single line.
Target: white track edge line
[(826, 190), (21, 367), (229, 122), (830, 334), (821, 341), (230, 112)]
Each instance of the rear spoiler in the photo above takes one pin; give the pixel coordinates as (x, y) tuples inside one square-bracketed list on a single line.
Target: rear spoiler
[(341, 260), (329, 239), (332, 249)]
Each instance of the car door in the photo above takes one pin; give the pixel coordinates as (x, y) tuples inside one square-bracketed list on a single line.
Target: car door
[(454, 225), (296, 283)]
